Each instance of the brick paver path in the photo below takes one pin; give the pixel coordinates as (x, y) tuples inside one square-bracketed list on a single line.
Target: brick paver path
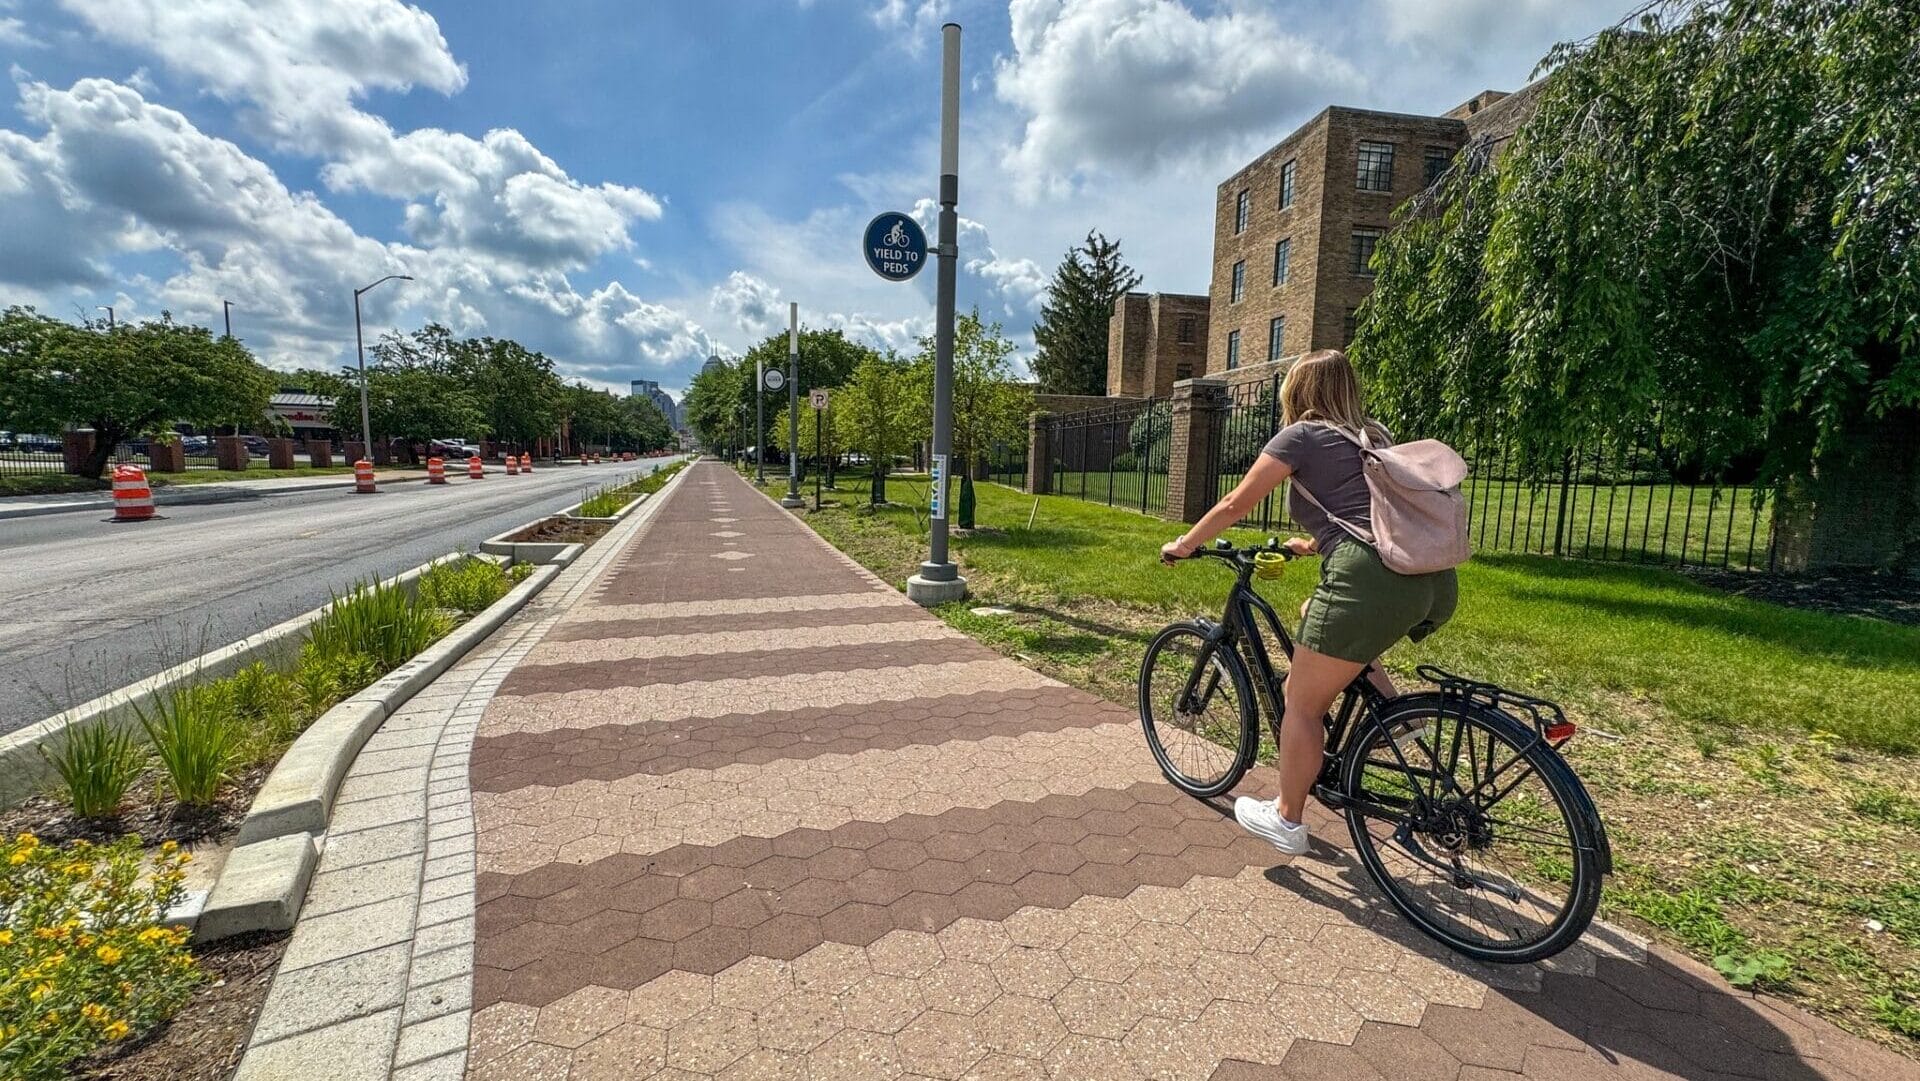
[(746, 812)]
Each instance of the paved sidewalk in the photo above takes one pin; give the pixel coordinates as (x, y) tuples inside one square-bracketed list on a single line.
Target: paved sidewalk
[(740, 810)]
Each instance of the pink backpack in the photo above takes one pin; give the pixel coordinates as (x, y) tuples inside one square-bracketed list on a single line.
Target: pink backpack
[(1419, 516)]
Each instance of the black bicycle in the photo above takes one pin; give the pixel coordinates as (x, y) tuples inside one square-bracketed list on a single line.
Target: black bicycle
[(1460, 804)]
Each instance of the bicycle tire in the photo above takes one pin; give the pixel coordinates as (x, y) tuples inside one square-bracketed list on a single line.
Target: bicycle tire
[(1242, 724), (1586, 859)]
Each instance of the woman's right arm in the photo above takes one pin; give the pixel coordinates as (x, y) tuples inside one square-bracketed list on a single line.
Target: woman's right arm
[(1260, 481)]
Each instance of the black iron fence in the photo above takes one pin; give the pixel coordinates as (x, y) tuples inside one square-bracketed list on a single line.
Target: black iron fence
[(1116, 455), (1007, 464)]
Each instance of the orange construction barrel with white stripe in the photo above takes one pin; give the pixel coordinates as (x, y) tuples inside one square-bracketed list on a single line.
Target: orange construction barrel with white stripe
[(363, 477), (132, 499), (526, 463), (513, 466), (436, 471), (476, 469)]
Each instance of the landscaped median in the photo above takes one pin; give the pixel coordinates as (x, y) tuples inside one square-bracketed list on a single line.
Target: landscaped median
[(1754, 763), (245, 746), (557, 540)]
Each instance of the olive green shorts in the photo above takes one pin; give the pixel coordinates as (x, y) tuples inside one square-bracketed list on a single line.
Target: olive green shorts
[(1360, 607)]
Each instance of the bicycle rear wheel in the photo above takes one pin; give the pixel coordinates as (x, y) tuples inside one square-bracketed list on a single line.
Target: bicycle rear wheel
[(1476, 830), (1198, 711)]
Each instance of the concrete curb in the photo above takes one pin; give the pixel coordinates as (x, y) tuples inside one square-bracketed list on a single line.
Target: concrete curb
[(265, 881), (298, 795), (22, 769)]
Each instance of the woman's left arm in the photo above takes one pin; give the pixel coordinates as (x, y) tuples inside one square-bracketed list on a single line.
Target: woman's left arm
[(1260, 481)]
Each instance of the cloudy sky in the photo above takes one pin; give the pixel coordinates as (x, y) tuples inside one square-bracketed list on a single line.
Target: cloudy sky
[(631, 185)]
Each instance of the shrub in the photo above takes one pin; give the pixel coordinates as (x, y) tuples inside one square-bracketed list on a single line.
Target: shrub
[(195, 737), (467, 586), (606, 501), (379, 620), (96, 763), (83, 960), (316, 682)]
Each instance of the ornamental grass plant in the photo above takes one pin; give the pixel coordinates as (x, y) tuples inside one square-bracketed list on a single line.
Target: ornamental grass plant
[(97, 763), (196, 738)]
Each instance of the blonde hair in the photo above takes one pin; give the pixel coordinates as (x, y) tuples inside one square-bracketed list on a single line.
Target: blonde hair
[(1323, 387)]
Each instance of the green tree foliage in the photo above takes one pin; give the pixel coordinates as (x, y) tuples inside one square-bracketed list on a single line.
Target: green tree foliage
[(881, 412), (417, 390), (716, 408), (617, 422), (133, 380), (1711, 224), (520, 397), (988, 405), (1072, 331), (720, 405)]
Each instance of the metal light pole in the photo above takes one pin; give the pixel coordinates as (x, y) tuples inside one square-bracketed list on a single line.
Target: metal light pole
[(939, 580), (360, 346), (108, 308), (226, 306), (759, 422), (792, 498)]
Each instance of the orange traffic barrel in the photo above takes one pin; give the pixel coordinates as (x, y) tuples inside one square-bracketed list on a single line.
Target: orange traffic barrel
[(513, 466), (363, 477), (526, 463), (476, 469), (436, 471), (132, 499)]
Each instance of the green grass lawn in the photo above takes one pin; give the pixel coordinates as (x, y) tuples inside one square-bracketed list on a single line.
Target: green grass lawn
[(1754, 763), (220, 476), (46, 484)]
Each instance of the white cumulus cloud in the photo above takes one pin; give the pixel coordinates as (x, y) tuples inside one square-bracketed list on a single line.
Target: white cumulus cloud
[(1137, 85)]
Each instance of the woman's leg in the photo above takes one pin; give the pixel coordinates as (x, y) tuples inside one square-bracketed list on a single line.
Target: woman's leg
[(1314, 680)]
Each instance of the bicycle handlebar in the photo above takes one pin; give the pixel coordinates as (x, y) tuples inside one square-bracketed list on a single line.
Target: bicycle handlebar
[(1224, 550)]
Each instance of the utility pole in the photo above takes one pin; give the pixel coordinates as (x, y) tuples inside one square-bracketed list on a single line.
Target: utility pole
[(939, 580), (759, 422), (226, 306), (792, 498)]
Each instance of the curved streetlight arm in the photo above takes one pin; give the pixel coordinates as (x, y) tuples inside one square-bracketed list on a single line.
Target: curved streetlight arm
[(360, 347), (383, 281)]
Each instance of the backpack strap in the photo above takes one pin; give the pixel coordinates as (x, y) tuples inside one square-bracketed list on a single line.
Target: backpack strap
[(1363, 535)]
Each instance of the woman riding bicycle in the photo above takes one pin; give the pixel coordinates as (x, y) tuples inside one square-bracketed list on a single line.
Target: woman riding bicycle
[(1359, 607)]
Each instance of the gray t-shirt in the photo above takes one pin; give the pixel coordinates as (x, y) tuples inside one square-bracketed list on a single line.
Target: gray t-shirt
[(1328, 463)]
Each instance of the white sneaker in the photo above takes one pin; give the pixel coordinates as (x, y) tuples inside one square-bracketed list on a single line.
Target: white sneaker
[(1261, 818)]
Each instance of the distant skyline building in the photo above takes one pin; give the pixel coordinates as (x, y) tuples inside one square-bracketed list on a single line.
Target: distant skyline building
[(650, 388)]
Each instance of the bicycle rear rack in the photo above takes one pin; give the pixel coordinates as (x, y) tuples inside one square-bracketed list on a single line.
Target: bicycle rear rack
[(1548, 719)]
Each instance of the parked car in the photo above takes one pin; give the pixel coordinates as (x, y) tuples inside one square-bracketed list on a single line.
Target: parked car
[(256, 445), (198, 446), (453, 448)]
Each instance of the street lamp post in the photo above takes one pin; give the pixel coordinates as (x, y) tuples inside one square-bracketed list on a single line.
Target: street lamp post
[(939, 580), (360, 347), (226, 306), (108, 308), (792, 498)]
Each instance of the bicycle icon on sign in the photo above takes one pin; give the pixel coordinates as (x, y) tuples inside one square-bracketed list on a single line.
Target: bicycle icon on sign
[(897, 236)]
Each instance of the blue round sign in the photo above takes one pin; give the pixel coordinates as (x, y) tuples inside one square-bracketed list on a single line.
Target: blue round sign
[(895, 246)]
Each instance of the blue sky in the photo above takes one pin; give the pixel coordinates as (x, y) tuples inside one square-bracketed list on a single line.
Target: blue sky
[(630, 186)]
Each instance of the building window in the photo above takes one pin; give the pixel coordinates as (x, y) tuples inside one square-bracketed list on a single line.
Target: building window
[(1233, 349), (1241, 205), (1184, 335), (1438, 158), (1183, 370), (1376, 166), (1239, 281), (1365, 241), (1352, 324), (1286, 184), (1282, 251), (1276, 335)]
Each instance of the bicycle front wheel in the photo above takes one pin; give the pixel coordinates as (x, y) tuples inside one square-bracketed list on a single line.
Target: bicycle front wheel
[(1198, 710), (1476, 830)]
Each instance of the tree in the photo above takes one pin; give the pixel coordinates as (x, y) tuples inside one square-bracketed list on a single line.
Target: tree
[(827, 359), (518, 393), (1708, 227), (133, 380), (1072, 331), (717, 405), (417, 390), (988, 405), (881, 412)]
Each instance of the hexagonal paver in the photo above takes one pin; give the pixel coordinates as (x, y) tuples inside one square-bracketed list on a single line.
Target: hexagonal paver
[(1093, 1008), (881, 1003), (939, 1044), (670, 999), (855, 1056), (711, 1040), (625, 1052), (753, 983), (580, 1016), (904, 953), (1023, 970), (799, 1021)]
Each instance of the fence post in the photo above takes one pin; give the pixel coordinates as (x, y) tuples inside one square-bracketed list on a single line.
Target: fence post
[(1560, 515), (1040, 453), (1199, 410)]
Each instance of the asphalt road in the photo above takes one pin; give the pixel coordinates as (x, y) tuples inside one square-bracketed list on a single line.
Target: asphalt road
[(87, 605)]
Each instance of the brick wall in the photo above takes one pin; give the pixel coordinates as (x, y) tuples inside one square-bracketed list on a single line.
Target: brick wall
[(1128, 332)]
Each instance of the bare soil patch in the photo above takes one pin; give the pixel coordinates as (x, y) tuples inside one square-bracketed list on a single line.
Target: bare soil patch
[(204, 1041), (561, 530)]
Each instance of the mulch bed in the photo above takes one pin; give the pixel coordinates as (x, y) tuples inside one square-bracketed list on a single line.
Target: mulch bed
[(562, 531), (146, 812), (204, 1041), (1875, 596)]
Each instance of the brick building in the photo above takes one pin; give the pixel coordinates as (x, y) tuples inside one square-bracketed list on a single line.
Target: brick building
[(1154, 340), (1293, 233)]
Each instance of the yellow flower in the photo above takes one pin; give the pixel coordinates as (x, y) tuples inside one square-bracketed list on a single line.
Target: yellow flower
[(46, 932), (116, 1030), (94, 1012), (169, 847), (79, 870), (27, 840), (6, 938), (108, 955), (17, 858), (125, 988), (43, 990), (152, 935)]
